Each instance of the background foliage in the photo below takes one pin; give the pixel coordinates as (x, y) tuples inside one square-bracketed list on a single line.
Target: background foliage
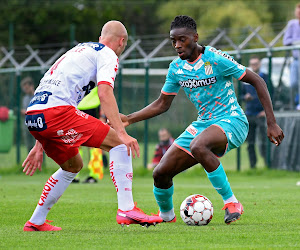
[(48, 21)]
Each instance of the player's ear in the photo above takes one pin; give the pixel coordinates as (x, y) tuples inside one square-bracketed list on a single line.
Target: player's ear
[(99, 38), (122, 40), (196, 37)]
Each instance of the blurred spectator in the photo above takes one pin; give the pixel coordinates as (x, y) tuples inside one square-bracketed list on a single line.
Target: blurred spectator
[(292, 37), (255, 114), (165, 141), (27, 86)]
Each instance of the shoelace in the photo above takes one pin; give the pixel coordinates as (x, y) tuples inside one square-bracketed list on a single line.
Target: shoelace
[(155, 214), (138, 209), (231, 204)]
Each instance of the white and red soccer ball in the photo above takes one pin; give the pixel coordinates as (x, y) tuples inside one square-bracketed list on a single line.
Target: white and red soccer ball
[(196, 210)]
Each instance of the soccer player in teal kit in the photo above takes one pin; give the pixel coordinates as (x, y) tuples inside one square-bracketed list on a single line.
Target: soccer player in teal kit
[(205, 74)]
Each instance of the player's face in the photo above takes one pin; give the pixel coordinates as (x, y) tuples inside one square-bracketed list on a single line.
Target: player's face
[(184, 42), (163, 135), (254, 64), (297, 12), (27, 88)]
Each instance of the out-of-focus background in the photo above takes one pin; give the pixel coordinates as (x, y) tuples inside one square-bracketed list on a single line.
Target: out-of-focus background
[(35, 33)]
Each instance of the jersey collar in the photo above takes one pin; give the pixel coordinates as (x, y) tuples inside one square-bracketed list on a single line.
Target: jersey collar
[(194, 60)]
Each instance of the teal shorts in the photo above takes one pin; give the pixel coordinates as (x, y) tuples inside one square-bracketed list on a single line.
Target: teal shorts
[(234, 127)]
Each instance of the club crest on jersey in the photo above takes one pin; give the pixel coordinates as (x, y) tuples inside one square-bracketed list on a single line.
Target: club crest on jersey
[(208, 68), (40, 98)]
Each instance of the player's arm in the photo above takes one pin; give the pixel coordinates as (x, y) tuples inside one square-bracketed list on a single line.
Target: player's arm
[(34, 159), (110, 109), (159, 106), (275, 133)]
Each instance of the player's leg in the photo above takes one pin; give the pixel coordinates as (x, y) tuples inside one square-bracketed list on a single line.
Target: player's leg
[(53, 190), (173, 162), (77, 177), (262, 136), (62, 136), (294, 76), (211, 142), (251, 141), (120, 167), (121, 174)]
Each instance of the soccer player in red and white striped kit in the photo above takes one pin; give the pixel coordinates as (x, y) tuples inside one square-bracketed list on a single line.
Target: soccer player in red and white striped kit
[(60, 128)]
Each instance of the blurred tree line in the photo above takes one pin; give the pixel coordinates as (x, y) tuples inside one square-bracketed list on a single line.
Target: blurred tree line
[(234, 16), (49, 21)]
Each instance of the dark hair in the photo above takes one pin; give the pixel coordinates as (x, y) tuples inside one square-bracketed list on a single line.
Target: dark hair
[(27, 80), (164, 129), (184, 22), (255, 57)]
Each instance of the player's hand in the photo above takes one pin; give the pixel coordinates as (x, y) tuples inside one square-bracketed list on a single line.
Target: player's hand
[(33, 161), (275, 134), (248, 97), (131, 144), (124, 120), (261, 114)]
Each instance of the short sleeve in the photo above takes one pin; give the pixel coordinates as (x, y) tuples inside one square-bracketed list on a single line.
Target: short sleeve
[(229, 67), (107, 68), (171, 86)]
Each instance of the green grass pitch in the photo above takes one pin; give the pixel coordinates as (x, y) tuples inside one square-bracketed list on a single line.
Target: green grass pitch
[(86, 213)]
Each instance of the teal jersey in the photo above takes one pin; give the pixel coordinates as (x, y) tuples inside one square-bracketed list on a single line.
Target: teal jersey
[(207, 82)]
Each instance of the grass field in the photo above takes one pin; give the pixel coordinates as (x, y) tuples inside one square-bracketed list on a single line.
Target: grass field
[(8, 160), (86, 213)]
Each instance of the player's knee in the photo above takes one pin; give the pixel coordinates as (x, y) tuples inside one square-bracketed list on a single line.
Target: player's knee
[(74, 168), (77, 167), (73, 165), (158, 173), (198, 149)]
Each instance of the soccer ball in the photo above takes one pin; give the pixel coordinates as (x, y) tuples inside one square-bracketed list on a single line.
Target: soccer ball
[(196, 210)]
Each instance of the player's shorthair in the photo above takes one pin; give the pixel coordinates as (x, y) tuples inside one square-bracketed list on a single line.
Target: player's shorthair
[(184, 22)]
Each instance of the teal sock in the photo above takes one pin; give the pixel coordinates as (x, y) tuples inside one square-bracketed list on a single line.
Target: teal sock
[(163, 198), (220, 182)]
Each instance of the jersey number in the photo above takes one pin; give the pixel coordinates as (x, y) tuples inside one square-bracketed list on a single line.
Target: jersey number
[(55, 65), (88, 88)]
